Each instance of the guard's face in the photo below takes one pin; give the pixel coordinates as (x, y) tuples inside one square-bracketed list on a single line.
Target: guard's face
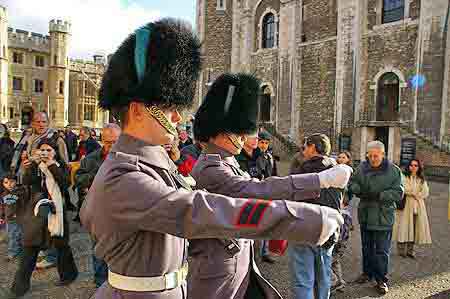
[(375, 157), (263, 145), (163, 124)]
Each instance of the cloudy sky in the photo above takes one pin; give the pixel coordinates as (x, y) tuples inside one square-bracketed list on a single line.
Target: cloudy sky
[(97, 25)]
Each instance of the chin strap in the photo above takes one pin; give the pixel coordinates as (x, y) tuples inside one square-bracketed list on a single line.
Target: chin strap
[(157, 114), (235, 141)]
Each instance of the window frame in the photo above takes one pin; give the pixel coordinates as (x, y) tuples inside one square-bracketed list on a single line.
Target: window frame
[(61, 87), (264, 31), (221, 7), (18, 57), (38, 88), (39, 58), (20, 79), (384, 20)]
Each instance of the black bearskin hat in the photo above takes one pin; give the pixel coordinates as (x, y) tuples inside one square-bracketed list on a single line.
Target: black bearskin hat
[(169, 59), (230, 106)]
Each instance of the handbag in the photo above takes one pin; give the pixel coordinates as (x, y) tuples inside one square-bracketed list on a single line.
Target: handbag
[(278, 247), (402, 203)]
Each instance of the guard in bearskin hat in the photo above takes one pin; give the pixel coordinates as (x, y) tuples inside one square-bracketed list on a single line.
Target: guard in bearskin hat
[(225, 268), (139, 209)]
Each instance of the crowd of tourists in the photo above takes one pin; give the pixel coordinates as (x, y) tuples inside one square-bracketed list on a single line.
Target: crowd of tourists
[(149, 186)]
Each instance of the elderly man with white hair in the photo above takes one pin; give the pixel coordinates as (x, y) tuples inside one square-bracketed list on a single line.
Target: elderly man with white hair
[(379, 185)]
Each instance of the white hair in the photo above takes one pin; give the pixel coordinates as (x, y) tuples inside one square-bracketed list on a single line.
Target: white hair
[(376, 145), (112, 126)]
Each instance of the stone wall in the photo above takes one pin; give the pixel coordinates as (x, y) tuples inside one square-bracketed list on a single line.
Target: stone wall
[(317, 88), (391, 48), (319, 19), (218, 39)]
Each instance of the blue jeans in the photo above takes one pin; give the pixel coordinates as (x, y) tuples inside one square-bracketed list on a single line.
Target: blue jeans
[(100, 269), (14, 239), (376, 250), (310, 265)]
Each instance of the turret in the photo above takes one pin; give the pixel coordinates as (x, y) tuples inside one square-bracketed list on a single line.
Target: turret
[(59, 72)]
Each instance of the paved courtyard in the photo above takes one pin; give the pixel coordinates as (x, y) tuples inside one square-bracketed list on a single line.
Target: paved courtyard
[(428, 277)]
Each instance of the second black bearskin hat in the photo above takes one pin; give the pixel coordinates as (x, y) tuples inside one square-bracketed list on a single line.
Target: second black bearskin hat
[(230, 106), (170, 67)]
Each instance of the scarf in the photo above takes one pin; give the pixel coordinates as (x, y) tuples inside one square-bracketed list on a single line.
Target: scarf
[(55, 221)]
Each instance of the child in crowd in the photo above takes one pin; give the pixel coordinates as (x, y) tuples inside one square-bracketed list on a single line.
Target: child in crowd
[(8, 214)]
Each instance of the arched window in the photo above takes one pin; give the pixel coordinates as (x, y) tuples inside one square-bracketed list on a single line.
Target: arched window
[(268, 31), (393, 10), (388, 105), (265, 105)]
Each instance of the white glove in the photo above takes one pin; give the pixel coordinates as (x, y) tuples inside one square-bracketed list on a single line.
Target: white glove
[(331, 222), (336, 177)]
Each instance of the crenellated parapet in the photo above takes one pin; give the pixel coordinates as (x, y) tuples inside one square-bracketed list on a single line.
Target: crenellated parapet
[(60, 26), (23, 39), (89, 67)]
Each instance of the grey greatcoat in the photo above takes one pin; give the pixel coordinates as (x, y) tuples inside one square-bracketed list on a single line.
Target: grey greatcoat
[(214, 270), (139, 214)]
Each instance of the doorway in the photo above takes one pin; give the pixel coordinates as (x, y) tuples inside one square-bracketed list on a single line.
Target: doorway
[(382, 134)]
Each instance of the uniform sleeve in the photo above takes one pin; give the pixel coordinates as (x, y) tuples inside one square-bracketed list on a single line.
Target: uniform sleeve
[(156, 207), (220, 178)]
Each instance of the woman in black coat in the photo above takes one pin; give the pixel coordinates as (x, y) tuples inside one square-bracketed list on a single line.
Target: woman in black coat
[(42, 216)]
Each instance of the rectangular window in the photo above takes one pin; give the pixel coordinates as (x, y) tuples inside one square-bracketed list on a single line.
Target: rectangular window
[(393, 10), (17, 57), (61, 87), (17, 83), (11, 113), (55, 59), (85, 88), (39, 61), (38, 85), (221, 5), (89, 110)]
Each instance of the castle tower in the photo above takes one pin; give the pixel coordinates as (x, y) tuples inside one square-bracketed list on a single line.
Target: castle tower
[(59, 72), (3, 65)]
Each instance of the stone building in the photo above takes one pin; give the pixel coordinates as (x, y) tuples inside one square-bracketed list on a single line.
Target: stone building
[(36, 74), (356, 70)]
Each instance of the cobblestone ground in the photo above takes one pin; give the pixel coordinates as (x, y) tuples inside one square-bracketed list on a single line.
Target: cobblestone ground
[(427, 277)]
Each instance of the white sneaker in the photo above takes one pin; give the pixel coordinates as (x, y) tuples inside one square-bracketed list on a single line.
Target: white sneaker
[(44, 264)]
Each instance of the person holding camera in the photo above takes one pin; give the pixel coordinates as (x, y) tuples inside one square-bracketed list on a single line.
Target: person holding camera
[(311, 264), (42, 216)]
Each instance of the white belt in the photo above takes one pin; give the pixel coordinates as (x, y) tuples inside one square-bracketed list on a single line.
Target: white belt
[(164, 282)]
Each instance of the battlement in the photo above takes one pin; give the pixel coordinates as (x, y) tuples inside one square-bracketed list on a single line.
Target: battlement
[(18, 38), (76, 65), (59, 26)]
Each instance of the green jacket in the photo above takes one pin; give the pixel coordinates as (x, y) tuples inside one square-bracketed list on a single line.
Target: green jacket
[(380, 190), (84, 177)]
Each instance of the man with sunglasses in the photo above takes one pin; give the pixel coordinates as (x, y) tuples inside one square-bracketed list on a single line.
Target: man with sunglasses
[(139, 208)]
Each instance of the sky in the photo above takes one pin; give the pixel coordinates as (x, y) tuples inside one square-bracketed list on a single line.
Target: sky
[(98, 26)]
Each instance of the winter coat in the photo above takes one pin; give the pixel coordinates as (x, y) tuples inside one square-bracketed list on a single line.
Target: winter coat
[(405, 230), (6, 152), (35, 230), (90, 145), (380, 190), (331, 197)]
